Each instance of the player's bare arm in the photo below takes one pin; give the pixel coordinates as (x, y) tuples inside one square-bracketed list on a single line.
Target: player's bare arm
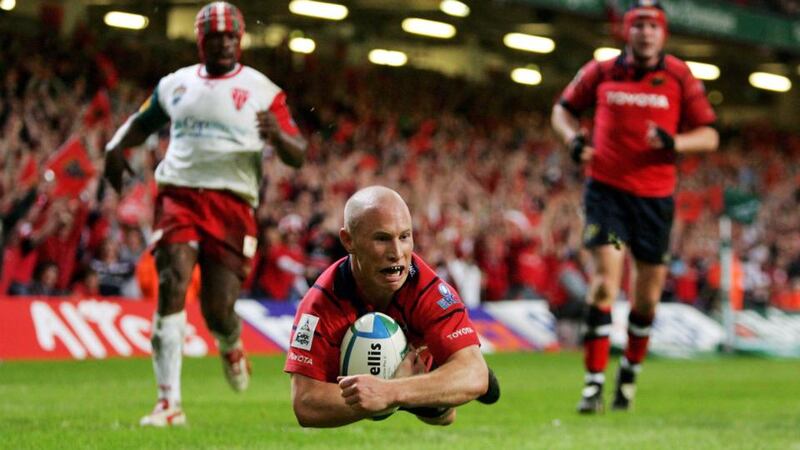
[(568, 127), (459, 380), (130, 134), (700, 139), (320, 404), (291, 148)]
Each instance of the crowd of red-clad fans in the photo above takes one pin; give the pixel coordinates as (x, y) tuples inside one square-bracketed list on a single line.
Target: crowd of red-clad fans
[(495, 199)]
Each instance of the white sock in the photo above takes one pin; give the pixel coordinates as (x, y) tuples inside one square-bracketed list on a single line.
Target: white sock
[(167, 339), (226, 343)]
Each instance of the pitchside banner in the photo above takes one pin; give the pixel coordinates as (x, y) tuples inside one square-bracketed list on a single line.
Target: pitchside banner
[(33, 328), (37, 328), (678, 331)]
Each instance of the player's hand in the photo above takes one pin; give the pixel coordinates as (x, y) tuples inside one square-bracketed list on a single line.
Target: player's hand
[(579, 151), (366, 393), (658, 138), (115, 167), (412, 364), (268, 127)]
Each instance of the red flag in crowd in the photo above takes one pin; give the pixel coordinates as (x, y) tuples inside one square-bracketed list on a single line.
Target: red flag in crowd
[(99, 109), (108, 71), (30, 171), (71, 167)]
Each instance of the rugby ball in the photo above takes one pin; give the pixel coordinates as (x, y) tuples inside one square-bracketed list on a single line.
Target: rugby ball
[(374, 344)]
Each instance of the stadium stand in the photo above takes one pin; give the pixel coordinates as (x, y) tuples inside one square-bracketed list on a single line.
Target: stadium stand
[(492, 188)]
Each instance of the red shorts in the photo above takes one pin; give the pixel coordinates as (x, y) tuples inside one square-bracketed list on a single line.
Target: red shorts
[(222, 224)]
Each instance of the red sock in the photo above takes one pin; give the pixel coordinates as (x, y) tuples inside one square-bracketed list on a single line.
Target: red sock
[(596, 343), (639, 326), (595, 356)]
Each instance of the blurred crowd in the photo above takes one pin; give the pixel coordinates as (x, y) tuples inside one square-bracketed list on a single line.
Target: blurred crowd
[(495, 199)]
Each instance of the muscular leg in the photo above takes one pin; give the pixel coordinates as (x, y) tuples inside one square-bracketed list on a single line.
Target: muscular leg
[(649, 283), (174, 263), (650, 279), (218, 294), (604, 288)]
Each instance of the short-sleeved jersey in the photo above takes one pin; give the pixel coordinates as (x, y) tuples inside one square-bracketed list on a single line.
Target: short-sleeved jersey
[(214, 139), (626, 99), (427, 309)]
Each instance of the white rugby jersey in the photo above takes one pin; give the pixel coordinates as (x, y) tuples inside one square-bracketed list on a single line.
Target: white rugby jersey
[(214, 140)]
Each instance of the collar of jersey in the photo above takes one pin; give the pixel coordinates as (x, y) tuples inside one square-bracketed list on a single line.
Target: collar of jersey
[(201, 72), (344, 287)]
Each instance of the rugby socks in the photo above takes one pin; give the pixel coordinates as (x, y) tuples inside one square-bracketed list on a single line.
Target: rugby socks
[(639, 326), (167, 340), (225, 343), (596, 342)]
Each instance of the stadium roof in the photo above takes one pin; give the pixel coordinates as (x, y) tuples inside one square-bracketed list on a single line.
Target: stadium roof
[(478, 47)]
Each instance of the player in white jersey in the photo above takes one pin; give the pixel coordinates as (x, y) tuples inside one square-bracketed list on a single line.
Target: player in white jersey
[(221, 115)]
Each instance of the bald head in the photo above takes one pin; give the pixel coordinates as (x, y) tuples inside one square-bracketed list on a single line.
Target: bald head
[(371, 199)]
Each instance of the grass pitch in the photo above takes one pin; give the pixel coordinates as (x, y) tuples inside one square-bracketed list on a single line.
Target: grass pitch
[(719, 403)]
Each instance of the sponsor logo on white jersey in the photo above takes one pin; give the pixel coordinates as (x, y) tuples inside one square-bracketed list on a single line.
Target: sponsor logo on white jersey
[(460, 332), (304, 334), (639, 99)]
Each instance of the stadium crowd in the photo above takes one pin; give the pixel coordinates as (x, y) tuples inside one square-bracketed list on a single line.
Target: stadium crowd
[(496, 199)]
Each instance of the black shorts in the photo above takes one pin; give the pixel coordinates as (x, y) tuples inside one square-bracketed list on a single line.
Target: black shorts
[(617, 217)]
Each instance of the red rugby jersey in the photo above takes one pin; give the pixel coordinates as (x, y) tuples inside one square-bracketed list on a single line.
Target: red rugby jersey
[(428, 310), (625, 99)]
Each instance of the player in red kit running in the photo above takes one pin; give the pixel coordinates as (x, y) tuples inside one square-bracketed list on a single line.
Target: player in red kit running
[(383, 274), (221, 114), (648, 108)]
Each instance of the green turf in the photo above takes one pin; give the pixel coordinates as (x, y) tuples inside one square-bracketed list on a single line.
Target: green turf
[(720, 403)]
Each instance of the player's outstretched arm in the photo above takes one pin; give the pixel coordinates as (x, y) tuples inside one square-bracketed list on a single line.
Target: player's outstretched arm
[(321, 405), (462, 378)]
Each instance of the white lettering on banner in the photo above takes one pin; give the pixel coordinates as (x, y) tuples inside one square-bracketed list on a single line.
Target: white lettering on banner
[(104, 314), (48, 326), (83, 330), (460, 332), (639, 99), (277, 328), (302, 359), (137, 330)]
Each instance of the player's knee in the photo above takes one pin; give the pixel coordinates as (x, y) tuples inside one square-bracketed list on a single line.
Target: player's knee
[(445, 419), (172, 283), (604, 292)]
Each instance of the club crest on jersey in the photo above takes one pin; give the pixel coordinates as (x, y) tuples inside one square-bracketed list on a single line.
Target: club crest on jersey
[(177, 94), (304, 333), (448, 299), (239, 97)]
